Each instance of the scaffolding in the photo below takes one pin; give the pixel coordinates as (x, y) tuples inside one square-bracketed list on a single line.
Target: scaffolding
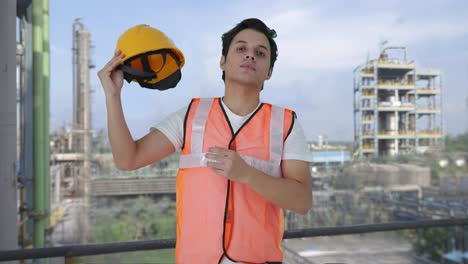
[(397, 106)]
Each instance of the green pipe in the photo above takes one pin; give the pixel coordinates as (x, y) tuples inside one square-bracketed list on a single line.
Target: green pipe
[(46, 76), (38, 127)]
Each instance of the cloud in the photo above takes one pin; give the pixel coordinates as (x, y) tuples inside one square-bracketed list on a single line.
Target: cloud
[(319, 46), (310, 40), (318, 50)]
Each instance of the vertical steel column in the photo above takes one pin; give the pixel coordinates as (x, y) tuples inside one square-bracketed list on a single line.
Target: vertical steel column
[(38, 127), (441, 106), (26, 156), (465, 243), (376, 109), (8, 198), (46, 102), (84, 46), (416, 130)]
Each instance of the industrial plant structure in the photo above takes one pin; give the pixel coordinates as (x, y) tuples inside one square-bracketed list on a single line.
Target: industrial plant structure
[(71, 148), (397, 106)]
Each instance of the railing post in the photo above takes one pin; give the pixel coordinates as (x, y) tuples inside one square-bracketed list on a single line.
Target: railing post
[(465, 244), (68, 260), (74, 260), (451, 239)]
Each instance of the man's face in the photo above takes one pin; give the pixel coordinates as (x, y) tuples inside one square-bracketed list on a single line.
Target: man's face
[(248, 58)]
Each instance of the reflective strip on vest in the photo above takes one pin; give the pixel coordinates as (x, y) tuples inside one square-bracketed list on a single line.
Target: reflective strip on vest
[(199, 160), (198, 125), (197, 157), (276, 134)]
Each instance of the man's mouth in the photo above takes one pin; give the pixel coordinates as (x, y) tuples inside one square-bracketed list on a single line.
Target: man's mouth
[(248, 66)]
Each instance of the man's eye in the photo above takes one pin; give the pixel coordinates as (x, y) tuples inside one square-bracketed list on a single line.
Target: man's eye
[(261, 53)]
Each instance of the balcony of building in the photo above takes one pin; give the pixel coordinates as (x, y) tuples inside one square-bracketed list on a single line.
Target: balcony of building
[(394, 64), (427, 110), (421, 91), (395, 106), (395, 85)]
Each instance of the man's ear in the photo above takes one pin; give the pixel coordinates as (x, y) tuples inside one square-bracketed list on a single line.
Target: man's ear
[(270, 72), (222, 62)]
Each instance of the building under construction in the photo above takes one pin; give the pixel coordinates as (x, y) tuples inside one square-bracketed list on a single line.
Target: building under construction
[(397, 106)]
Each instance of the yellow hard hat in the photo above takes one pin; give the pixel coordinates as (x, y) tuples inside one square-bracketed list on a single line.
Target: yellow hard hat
[(151, 58)]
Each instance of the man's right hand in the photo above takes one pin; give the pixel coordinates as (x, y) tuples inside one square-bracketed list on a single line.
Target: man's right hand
[(111, 78)]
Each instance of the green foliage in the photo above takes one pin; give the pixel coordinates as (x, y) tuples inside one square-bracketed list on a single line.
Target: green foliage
[(429, 242), (449, 170), (161, 256), (140, 219), (435, 174), (458, 143)]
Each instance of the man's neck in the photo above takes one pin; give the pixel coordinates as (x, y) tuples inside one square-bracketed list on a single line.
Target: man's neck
[(240, 99)]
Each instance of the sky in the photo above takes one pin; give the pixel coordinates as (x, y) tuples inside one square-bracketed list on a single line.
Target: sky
[(320, 43)]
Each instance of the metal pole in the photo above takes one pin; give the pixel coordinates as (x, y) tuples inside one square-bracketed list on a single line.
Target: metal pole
[(8, 198), (85, 63), (38, 124), (46, 99), (465, 242), (82, 112), (27, 155)]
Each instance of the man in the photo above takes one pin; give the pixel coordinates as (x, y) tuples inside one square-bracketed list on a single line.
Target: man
[(242, 161)]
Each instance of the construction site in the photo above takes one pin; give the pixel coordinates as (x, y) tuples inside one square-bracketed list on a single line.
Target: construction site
[(397, 106)]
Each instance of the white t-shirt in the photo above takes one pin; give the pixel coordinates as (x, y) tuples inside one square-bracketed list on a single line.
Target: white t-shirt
[(295, 147)]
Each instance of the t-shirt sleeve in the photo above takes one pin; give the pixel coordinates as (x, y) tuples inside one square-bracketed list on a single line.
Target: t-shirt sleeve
[(173, 127), (295, 147)]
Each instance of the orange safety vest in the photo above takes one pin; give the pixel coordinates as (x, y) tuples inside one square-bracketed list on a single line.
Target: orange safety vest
[(218, 218)]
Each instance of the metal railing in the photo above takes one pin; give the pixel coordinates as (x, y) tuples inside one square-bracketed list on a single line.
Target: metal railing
[(108, 248)]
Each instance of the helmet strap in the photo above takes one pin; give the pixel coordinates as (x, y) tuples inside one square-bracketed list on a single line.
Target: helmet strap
[(141, 76)]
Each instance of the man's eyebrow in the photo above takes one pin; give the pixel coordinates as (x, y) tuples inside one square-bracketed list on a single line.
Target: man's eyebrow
[(261, 46), (243, 41)]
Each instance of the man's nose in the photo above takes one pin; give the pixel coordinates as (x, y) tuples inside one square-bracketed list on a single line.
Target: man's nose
[(251, 57)]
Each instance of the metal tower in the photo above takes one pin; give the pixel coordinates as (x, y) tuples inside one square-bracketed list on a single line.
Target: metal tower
[(397, 106)]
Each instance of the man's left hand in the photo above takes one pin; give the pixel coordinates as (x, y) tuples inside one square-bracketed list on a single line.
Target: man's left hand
[(228, 163)]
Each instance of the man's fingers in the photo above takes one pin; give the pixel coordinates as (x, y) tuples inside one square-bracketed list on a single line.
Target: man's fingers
[(110, 61), (110, 66), (215, 156), (215, 165), (114, 62), (219, 151), (115, 73), (218, 171)]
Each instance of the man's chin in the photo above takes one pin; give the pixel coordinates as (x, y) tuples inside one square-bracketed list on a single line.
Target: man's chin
[(247, 82), (247, 79)]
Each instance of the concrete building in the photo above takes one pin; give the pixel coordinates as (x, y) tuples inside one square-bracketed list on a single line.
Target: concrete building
[(397, 106)]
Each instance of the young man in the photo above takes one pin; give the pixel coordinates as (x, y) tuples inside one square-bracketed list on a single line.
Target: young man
[(242, 161)]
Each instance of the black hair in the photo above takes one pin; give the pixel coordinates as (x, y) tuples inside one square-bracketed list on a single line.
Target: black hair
[(255, 24)]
